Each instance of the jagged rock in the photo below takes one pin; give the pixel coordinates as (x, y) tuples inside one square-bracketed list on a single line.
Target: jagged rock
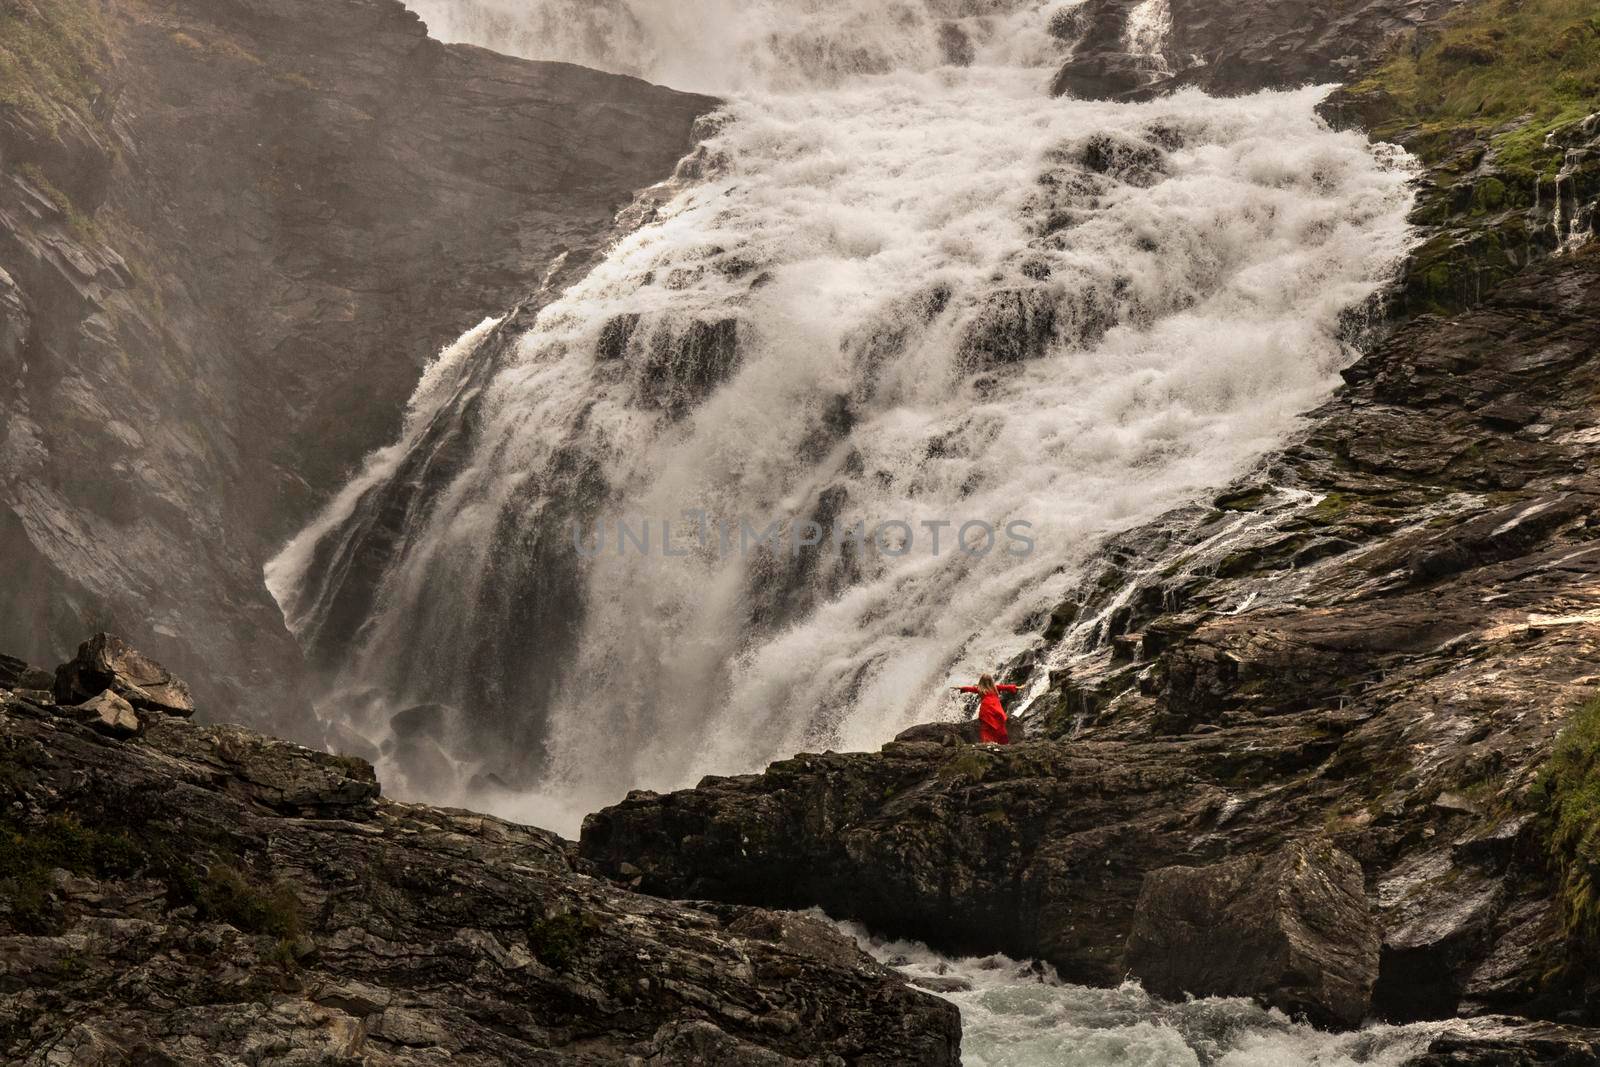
[(682, 366), (108, 662), (18, 674), (108, 714), (1010, 326), (942, 733), (1292, 929), (221, 893), (1494, 1041), (615, 336), (1443, 648)]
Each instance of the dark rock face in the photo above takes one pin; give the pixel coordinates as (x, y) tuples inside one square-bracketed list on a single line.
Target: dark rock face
[(221, 270), (206, 889), (1292, 929), (1101, 67), (1037, 850), (1433, 598), (1238, 47), (1382, 652)]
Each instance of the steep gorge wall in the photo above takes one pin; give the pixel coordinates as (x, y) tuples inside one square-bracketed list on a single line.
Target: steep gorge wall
[(231, 234)]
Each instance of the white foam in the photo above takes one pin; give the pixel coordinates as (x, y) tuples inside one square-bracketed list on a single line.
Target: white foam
[(1021, 1015)]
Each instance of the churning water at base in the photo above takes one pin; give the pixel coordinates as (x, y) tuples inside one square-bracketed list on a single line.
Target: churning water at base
[(915, 291), (1019, 1015)]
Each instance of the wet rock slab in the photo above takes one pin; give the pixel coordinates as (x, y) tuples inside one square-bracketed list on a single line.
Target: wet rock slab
[(1292, 929)]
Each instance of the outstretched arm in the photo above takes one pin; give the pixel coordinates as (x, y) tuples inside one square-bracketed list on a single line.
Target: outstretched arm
[(1009, 688)]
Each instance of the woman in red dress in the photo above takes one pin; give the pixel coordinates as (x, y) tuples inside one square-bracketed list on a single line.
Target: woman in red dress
[(991, 716)]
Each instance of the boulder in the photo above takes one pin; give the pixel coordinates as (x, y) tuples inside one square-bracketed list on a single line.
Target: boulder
[(1291, 929), (422, 720), (107, 713), (19, 674), (108, 662)]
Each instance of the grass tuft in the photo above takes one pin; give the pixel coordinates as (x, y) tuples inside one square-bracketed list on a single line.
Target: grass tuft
[(28, 855), (230, 895), (52, 57), (1570, 785)]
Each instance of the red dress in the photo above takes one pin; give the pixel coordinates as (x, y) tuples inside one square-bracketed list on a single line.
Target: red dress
[(991, 716)]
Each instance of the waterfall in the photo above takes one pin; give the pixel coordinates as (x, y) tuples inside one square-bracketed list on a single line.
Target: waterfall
[(1149, 27), (896, 285), (726, 45)]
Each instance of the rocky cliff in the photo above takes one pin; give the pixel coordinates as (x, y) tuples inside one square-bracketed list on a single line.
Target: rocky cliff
[(174, 893), (231, 234)]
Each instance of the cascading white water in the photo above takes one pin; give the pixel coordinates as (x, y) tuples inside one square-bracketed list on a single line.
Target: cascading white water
[(722, 46), (1149, 25), (1020, 1015), (914, 291)]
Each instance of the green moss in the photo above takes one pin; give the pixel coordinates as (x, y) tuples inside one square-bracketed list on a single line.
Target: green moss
[(1570, 786), (559, 940), (85, 225), (1332, 508), (1511, 70), (52, 56), (971, 765), (1488, 195), (1246, 500)]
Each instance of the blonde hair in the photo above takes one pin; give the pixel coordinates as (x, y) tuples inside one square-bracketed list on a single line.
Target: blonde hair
[(986, 683)]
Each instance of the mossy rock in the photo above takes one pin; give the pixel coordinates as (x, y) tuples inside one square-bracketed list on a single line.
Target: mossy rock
[(972, 766), (558, 941), (29, 853), (231, 895), (1569, 787), (53, 56), (1510, 71)]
